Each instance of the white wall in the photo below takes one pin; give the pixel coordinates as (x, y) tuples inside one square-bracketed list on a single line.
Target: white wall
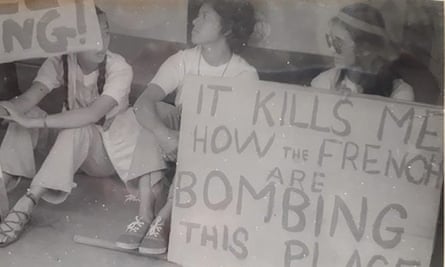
[(300, 25), (155, 19), (289, 25)]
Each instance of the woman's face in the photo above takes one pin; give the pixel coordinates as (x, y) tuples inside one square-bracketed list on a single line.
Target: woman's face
[(342, 46), (206, 26), (363, 57), (97, 56)]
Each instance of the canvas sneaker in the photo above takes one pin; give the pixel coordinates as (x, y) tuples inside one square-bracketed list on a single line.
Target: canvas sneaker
[(155, 242), (134, 233)]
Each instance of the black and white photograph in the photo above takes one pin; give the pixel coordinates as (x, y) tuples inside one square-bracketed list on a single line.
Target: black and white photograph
[(221, 133)]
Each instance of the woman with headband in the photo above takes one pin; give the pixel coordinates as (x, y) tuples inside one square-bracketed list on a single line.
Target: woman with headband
[(363, 56)]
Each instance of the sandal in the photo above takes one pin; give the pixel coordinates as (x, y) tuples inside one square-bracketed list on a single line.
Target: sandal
[(4, 190), (22, 221)]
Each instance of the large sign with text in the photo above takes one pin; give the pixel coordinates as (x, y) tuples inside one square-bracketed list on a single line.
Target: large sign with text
[(280, 175), (43, 28)]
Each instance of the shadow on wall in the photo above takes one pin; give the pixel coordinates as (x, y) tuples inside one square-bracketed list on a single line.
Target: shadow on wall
[(8, 81), (146, 55)]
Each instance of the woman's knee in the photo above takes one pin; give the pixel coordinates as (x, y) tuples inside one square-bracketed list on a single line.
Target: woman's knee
[(75, 134), (70, 132)]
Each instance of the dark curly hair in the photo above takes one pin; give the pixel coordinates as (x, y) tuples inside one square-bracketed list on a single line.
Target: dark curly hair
[(237, 18)]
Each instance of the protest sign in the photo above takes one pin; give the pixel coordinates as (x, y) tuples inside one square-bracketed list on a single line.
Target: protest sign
[(31, 29), (280, 175)]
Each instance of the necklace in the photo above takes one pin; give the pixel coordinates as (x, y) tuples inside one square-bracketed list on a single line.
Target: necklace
[(225, 68)]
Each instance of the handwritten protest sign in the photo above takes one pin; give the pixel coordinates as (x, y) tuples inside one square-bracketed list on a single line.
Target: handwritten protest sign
[(280, 175), (43, 28)]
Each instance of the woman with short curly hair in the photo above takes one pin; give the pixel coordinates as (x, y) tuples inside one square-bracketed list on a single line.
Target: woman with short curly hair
[(221, 29)]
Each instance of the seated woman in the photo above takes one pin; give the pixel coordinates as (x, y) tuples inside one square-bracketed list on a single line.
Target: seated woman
[(363, 56), (96, 132), (8, 90), (220, 31)]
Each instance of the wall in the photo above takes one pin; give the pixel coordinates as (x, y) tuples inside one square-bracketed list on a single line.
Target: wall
[(146, 32), (150, 19)]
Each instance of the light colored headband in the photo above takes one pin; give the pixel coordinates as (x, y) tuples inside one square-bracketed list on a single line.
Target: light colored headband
[(361, 25)]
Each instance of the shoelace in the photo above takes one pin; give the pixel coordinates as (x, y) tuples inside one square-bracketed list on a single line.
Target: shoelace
[(156, 227), (135, 225), (131, 198)]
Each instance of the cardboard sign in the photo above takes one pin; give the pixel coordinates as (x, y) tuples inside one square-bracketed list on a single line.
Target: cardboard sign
[(280, 175), (43, 28)]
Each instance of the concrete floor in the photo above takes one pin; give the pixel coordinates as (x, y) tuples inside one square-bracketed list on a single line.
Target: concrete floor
[(96, 208)]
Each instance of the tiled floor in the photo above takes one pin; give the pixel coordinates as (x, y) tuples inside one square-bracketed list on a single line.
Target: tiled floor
[(95, 209)]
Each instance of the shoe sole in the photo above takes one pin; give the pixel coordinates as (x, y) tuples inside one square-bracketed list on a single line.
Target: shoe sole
[(152, 251), (127, 246)]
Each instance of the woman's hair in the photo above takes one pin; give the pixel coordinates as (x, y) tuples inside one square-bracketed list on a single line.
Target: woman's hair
[(369, 16), (367, 28), (237, 19), (103, 64), (100, 12)]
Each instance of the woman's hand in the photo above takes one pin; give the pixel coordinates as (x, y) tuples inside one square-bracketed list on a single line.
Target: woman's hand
[(344, 91), (8, 113)]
